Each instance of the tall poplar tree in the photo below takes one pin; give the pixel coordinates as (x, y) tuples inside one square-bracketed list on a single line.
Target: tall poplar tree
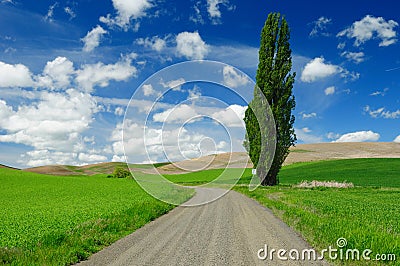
[(275, 80)]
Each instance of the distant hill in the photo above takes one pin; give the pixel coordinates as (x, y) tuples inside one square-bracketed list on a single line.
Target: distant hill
[(300, 153), (101, 168), (342, 150), (8, 167), (91, 169), (214, 161)]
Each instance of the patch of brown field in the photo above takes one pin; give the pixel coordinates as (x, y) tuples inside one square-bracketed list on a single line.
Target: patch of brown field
[(100, 168), (65, 170), (52, 170), (105, 165), (214, 161), (351, 150)]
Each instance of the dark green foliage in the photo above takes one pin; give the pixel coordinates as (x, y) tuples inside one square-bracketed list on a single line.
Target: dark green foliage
[(120, 172), (276, 83)]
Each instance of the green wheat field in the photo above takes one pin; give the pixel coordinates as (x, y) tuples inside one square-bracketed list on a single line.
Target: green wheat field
[(60, 220)]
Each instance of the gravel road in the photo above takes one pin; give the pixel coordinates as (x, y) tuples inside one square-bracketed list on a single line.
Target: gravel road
[(228, 231)]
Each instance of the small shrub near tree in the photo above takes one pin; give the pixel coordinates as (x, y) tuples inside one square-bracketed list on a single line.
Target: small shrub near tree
[(120, 172)]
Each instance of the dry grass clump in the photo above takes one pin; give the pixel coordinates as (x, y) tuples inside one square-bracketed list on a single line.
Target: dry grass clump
[(315, 183)]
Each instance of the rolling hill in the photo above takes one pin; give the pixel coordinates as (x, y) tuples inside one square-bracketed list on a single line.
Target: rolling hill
[(91, 169), (300, 153), (8, 167)]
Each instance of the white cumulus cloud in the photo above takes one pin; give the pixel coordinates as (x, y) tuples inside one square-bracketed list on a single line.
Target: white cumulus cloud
[(92, 38), (330, 90), (100, 74), (232, 116), (56, 74), (52, 125), (155, 43), (317, 69), (232, 79), (91, 158), (15, 75), (119, 111), (148, 90), (359, 136), (174, 144), (58, 109), (356, 57), (191, 45), (179, 114), (304, 135), (213, 9), (332, 135), (61, 74), (175, 84), (127, 11), (310, 115), (371, 27), (5, 110), (46, 157)]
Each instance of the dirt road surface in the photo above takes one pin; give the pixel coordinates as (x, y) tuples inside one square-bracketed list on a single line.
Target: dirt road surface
[(228, 231)]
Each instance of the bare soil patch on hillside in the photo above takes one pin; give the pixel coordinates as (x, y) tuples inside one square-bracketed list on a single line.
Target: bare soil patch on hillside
[(332, 151), (52, 170)]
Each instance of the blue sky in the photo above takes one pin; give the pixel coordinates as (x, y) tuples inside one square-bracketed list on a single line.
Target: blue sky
[(69, 68)]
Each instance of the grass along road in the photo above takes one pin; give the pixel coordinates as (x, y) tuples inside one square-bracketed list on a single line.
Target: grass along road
[(367, 218)]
